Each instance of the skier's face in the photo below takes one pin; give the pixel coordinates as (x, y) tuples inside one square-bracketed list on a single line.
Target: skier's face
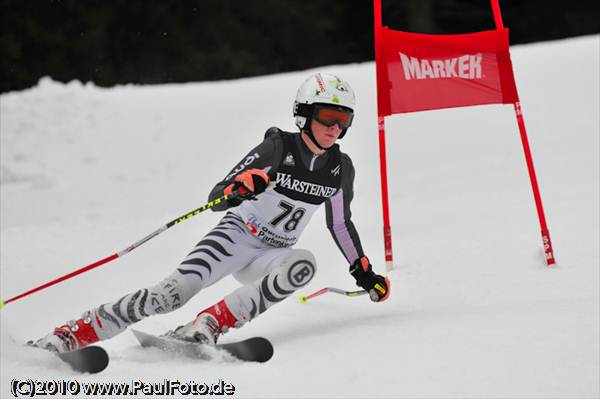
[(326, 135)]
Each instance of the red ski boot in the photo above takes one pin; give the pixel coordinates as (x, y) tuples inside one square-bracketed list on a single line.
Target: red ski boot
[(208, 325), (76, 334)]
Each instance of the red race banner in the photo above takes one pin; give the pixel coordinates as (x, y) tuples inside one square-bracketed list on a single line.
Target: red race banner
[(424, 72), (419, 72)]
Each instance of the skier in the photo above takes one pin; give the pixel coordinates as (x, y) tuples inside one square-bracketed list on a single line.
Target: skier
[(255, 239)]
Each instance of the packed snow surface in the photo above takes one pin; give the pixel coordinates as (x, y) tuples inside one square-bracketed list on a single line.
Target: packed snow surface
[(474, 311)]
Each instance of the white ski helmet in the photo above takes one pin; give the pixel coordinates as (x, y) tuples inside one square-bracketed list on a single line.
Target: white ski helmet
[(324, 89)]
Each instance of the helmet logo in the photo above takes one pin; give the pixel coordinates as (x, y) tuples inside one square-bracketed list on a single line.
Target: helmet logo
[(340, 87), (322, 87), (335, 100)]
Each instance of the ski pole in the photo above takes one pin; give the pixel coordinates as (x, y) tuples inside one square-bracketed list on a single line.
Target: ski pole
[(325, 290), (122, 253)]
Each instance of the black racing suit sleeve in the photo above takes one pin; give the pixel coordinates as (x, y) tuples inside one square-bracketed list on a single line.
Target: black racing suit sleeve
[(265, 156), (338, 214)]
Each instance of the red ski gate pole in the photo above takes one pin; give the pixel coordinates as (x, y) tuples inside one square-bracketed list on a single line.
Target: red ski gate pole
[(382, 93), (550, 260), (122, 253)]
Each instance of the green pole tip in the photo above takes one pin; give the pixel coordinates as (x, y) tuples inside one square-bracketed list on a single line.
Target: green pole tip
[(1, 304), (302, 299)]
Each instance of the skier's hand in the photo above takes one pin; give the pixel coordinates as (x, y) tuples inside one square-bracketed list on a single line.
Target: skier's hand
[(377, 286), (249, 183)]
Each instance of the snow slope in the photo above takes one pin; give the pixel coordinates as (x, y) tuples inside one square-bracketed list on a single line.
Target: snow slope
[(474, 312)]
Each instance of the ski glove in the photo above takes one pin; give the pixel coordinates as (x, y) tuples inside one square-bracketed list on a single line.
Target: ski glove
[(248, 185), (377, 286)]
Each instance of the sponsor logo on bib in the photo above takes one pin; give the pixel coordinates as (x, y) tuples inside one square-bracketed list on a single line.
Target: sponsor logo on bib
[(285, 180)]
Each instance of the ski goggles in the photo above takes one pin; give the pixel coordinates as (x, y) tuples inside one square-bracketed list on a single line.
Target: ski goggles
[(329, 116)]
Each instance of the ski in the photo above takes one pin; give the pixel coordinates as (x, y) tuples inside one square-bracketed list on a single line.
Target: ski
[(91, 359), (256, 349)]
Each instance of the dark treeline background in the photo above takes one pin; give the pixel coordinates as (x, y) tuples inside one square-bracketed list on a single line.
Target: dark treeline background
[(113, 42)]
